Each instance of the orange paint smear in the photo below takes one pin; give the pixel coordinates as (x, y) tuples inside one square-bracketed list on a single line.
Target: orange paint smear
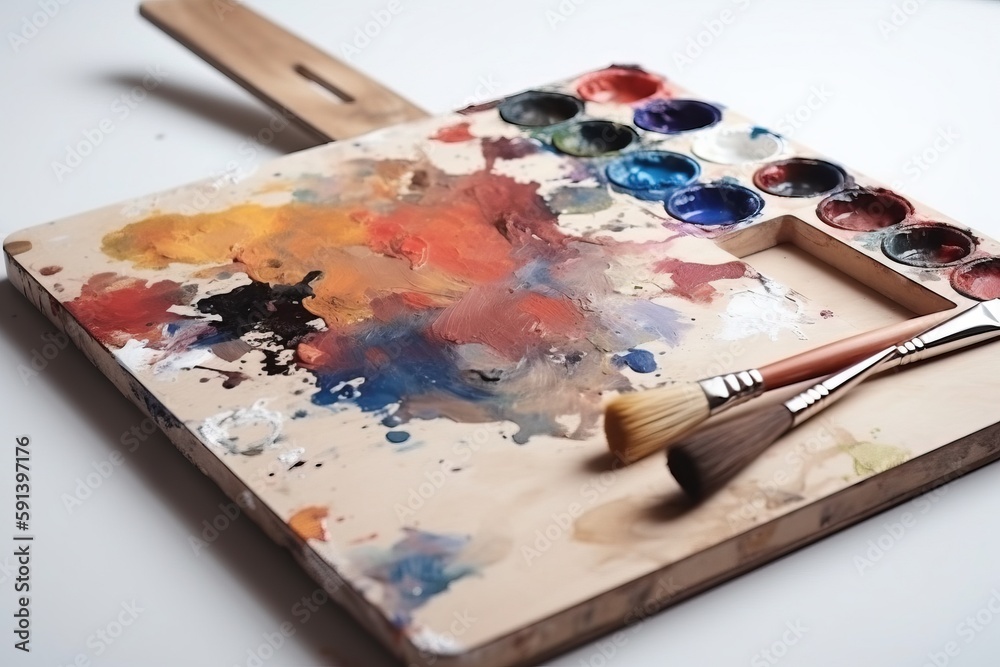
[(309, 523), (116, 309), (464, 231)]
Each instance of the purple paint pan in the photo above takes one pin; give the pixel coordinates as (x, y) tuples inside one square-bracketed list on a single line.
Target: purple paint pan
[(675, 116)]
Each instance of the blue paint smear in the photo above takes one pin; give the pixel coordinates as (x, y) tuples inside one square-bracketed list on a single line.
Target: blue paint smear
[(640, 361), (397, 437), (415, 569), (654, 320), (429, 368)]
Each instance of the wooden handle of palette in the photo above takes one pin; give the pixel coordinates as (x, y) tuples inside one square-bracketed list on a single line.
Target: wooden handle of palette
[(323, 94), (833, 357)]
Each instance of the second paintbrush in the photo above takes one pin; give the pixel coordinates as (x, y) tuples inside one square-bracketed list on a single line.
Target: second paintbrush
[(708, 459), (641, 423)]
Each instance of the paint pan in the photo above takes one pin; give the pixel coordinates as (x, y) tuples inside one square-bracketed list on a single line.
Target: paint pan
[(979, 279), (864, 209), (592, 138), (652, 175), (715, 204), (800, 177), (674, 116), (929, 245), (618, 85), (536, 108), (738, 145)]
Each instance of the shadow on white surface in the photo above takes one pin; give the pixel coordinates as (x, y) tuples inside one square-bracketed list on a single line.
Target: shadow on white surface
[(246, 120)]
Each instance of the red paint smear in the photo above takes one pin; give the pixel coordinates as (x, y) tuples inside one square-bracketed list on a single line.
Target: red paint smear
[(509, 322), (693, 281), (453, 134), (49, 270), (116, 309)]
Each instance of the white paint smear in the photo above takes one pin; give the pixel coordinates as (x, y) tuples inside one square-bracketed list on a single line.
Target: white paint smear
[(768, 310), (247, 431)]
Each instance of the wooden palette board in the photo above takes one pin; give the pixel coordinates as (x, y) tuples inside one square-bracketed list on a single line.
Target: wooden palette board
[(441, 472)]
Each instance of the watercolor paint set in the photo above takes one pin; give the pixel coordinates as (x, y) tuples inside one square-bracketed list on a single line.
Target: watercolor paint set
[(393, 351)]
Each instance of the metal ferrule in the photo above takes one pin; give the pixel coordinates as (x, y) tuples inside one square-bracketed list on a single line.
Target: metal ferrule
[(820, 395), (976, 325), (725, 391)]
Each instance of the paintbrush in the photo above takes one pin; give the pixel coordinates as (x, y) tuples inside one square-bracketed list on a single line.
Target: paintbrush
[(641, 423), (711, 457)]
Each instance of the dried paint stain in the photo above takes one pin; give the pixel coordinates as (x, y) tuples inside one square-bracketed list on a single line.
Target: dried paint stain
[(415, 569), (309, 523), (871, 458)]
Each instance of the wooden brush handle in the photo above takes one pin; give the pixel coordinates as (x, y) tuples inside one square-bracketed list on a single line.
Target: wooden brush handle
[(835, 356), (282, 70)]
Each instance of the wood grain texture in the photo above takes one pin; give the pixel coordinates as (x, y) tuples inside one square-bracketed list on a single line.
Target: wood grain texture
[(281, 69)]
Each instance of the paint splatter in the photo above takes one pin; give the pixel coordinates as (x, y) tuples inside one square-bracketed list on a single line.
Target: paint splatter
[(871, 458), (49, 270), (397, 437), (309, 523), (233, 378), (415, 569), (247, 431), (640, 361), (460, 299), (452, 134)]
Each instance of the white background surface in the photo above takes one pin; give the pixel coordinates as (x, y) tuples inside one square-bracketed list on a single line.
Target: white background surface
[(890, 95)]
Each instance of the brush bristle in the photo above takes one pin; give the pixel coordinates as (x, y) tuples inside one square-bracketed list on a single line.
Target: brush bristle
[(645, 422), (706, 461)]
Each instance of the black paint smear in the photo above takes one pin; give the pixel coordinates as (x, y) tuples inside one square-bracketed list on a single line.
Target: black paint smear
[(233, 378), (275, 311)]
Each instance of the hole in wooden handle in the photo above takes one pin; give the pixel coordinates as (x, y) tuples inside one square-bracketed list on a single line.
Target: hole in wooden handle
[(323, 86)]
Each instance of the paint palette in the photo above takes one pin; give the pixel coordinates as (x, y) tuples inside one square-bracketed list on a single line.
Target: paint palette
[(393, 351)]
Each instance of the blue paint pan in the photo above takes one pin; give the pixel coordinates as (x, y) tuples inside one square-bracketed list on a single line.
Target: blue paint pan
[(652, 175), (715, 204)]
